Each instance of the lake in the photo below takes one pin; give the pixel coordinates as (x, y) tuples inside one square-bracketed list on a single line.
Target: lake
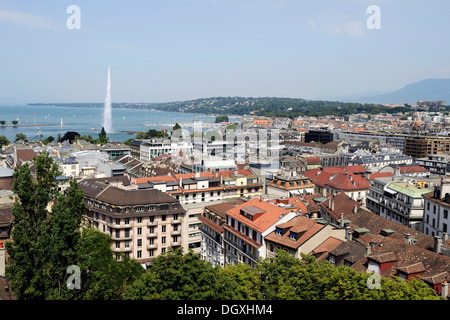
[(85, 120)]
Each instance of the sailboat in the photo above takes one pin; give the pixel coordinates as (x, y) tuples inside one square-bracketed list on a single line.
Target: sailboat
[(39, 133)]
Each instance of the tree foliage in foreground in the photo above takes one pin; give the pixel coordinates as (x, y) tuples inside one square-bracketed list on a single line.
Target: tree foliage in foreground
[(45, 243), (175, 275)]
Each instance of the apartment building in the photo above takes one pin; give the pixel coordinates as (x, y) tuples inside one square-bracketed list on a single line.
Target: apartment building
[(355, 137), (348, 179), (423, 146), (239, 183), (436, 220), (68, 166), (142, 223), (375, 162), (151, 148), (246, 227), (213, 219), (303, 235), (288, 183), (398, 200), (435, 164)]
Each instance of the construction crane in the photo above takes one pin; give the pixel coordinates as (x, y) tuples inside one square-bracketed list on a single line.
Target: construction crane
[(254, 111)]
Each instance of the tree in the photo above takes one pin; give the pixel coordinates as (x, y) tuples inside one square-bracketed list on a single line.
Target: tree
[(15, 122), (238, 282), (102, 137), (102, 276), (29, 257), (175, 276), (152, 133), (2, 122), (71, 136), (45, 243), (87, 138), (4, 141), (221, 118), (176, 127), (286, 277), (20, 136), (48, 140)]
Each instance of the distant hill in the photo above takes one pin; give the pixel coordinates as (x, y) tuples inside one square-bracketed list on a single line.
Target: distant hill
[(261, 106), (425, 90)]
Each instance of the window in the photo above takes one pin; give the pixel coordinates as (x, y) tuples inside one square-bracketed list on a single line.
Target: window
[(445, 214), (163, 218), (139, 254), (175, 217), (139, 220), (163, 228), (117, 222), (127, 221), (332, 258), (278, 231), (139, 242), (163, 239)]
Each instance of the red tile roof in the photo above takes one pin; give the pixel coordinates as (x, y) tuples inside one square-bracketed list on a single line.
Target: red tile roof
[(342, 178), (271, 215)]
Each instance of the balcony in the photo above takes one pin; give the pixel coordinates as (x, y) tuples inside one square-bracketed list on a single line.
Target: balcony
[(152, 246), (152, 234)]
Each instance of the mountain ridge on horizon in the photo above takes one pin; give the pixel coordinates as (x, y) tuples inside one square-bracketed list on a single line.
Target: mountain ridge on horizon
[(430, 89)]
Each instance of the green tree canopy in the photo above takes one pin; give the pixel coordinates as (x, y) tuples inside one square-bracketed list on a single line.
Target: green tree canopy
[(221, 118), (176, 276), (20, 136), (102, 137), (4, 141), (45, 243)]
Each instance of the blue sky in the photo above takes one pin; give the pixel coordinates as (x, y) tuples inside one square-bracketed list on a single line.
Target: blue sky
[(169, 50)]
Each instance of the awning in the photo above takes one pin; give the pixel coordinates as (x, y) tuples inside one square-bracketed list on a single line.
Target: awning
[(390, 191)]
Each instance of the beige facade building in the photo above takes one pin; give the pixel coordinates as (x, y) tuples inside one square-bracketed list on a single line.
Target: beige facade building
[(142, 223)]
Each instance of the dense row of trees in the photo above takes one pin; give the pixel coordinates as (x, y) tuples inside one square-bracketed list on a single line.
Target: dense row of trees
[(275, 107), (48, 243)]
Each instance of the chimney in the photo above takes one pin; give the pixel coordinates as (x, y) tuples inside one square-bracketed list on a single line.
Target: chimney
[(437, 244), (444, 237), (342, 219), (348, 234), (444, 291), (355, 209), (368, 250), (408, 238), (2, 259), (332, 204)]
